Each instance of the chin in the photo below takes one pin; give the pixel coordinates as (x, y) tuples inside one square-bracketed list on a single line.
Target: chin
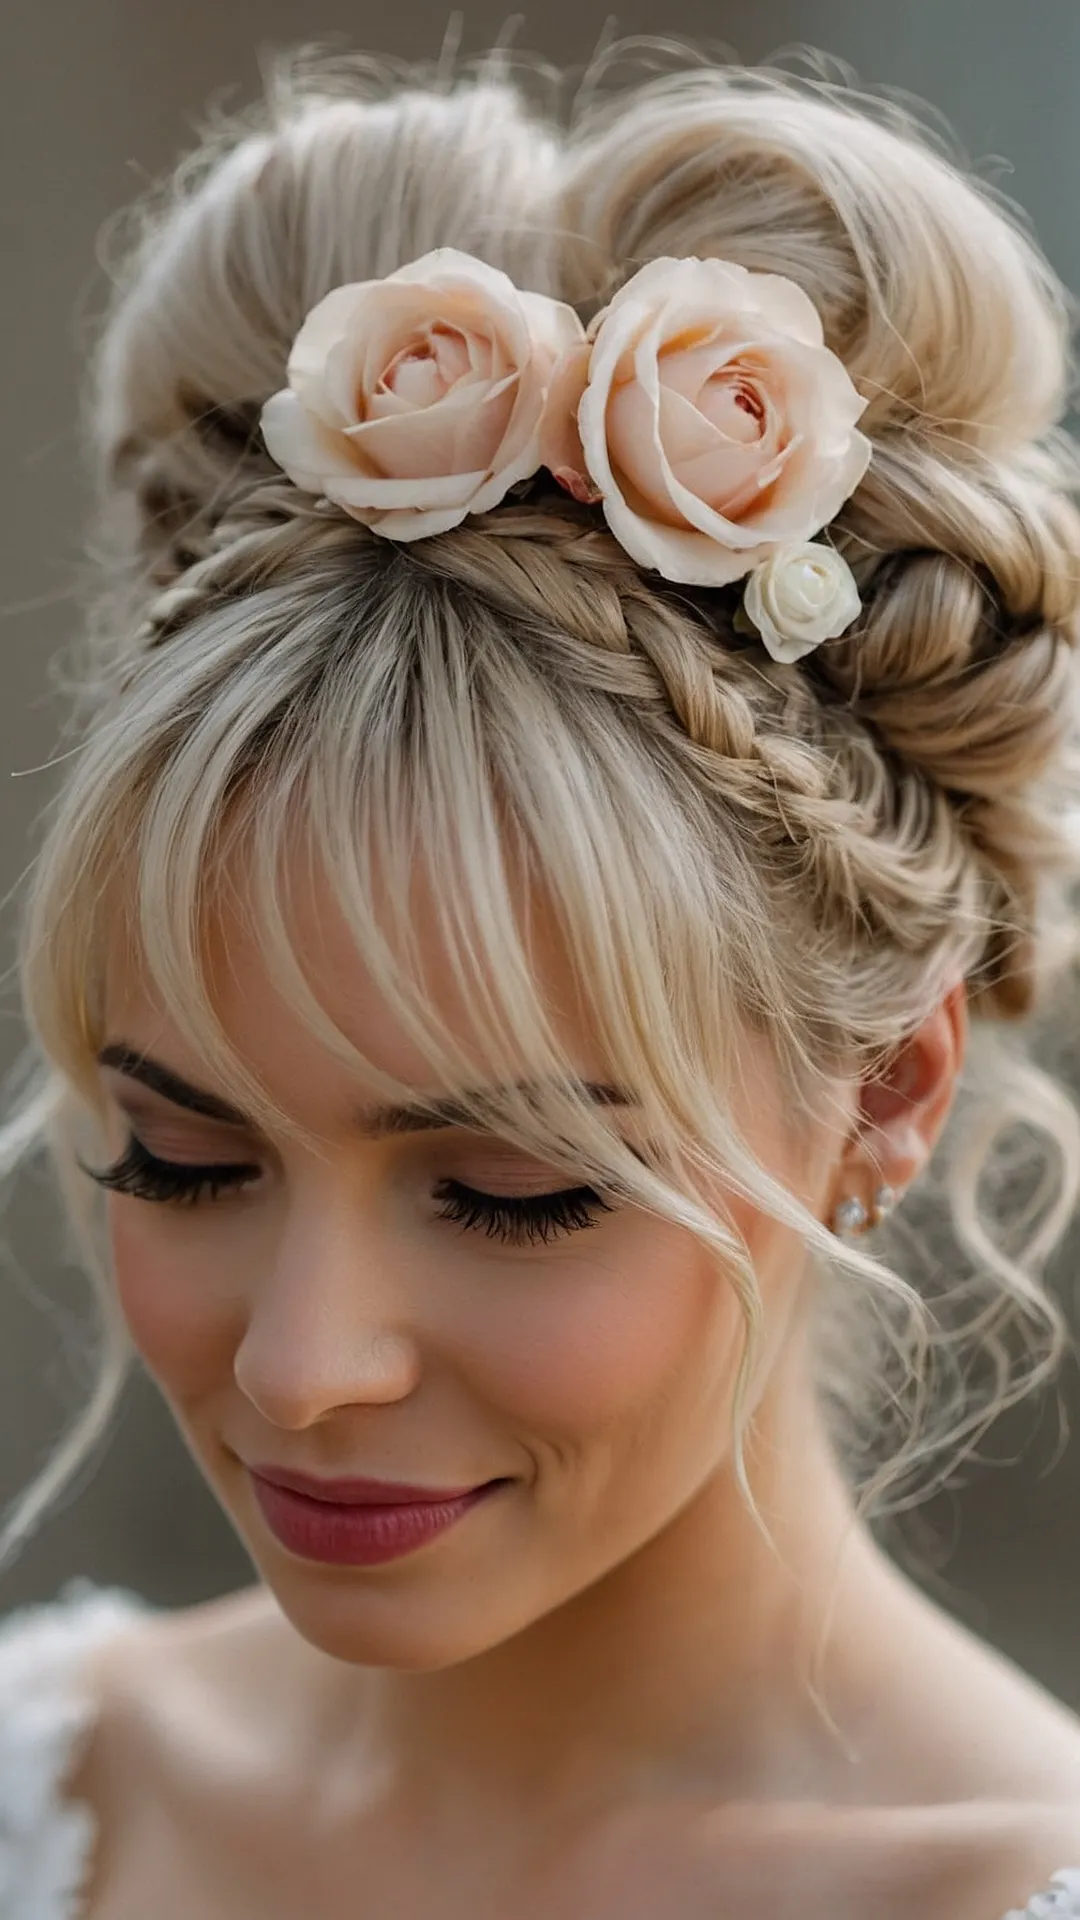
[(353, 1620)]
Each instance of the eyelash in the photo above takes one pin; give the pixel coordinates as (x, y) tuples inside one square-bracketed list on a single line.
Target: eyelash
[(512, 1218)]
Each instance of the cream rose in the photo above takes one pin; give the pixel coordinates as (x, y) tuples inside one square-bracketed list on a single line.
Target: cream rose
[(800, 596), (417, 399), (707, 414)]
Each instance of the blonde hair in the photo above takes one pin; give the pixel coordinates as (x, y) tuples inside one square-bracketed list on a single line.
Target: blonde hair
[(813, 853)]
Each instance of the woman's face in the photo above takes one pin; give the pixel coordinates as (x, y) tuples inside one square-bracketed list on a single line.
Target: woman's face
[(323, 1315)]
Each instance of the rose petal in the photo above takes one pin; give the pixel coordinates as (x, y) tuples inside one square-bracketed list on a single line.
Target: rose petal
[(727, 476), (329, 320), (689, 434), (738, 408), (623, 321), (759, 302), (415, 377), (518, 456), (636, 453), (469, 293), (821, 383), (461, 433), (519, 453), (786, 309), (812, 492), (450, 267), (429, 492), (423, 370), (342, 389), (408, 523), (384, 405), (523, 465), (702, 287), (561, 450), (577, 484), (553, 326), (303, 445), (677, 553), (457, 354), (396, 317), (693, 375), (401, 317)]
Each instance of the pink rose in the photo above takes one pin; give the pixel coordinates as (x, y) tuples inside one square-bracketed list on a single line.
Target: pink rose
[(417, 399), (706, 412)]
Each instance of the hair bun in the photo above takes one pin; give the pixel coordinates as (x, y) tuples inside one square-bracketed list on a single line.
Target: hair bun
[(324, 183), (942, 307)]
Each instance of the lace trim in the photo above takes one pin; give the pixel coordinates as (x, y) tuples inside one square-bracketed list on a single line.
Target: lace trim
[(46, 1711), (1059, 1901)]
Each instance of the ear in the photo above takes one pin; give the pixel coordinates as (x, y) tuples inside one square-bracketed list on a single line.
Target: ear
[(903, 1110)]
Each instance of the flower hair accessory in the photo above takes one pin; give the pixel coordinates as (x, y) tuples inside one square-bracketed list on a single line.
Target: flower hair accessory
[(799, 596), (417, 399), (701, 410)]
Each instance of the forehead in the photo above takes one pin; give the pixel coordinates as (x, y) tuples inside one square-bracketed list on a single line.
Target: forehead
[(268, 1032), (321, 1092)]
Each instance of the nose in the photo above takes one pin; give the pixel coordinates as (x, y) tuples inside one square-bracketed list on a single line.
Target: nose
[(328, 1325)]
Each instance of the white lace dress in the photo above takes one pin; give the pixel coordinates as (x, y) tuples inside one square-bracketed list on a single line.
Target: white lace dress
[(46, 1714)]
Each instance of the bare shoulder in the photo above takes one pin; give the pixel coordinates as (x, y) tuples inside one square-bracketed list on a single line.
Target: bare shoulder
[(798, 1860), (175, 1680), (179, 1701), (989, 1860), (970, 1860)]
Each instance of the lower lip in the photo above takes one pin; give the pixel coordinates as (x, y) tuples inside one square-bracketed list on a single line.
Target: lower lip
[(357, 1536)]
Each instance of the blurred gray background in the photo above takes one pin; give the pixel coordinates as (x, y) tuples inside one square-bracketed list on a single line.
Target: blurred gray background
[(96, 96)]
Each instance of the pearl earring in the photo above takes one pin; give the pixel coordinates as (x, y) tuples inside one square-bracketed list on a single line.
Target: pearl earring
[(851, 1216), (885, 1200)]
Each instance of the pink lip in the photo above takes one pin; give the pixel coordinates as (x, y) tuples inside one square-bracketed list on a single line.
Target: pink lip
[(357, 1493), (361, 1532)]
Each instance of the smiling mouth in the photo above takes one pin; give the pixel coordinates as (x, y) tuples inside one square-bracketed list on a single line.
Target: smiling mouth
[(360, 1533), (352, 1491)]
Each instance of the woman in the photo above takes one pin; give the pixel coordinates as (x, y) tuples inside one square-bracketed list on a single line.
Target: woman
[(575, 734)]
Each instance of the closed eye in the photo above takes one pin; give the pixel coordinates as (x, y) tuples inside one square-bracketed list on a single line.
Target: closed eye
[(514, 1218)]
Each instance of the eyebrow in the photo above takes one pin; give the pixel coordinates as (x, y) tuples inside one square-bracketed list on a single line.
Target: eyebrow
[(373, 1123)]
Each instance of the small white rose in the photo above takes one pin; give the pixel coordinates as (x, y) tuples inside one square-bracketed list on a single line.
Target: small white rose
[(800, 596)]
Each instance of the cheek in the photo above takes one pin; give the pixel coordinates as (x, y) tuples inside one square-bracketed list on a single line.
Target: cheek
[(178, 1320), (593, 1343)]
